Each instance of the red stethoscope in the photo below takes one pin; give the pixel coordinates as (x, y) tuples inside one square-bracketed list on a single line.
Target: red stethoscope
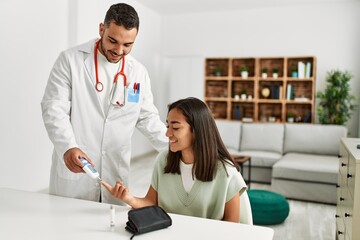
[(99, 86)]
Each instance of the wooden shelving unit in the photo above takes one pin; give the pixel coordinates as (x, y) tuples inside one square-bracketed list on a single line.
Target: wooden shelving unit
[(268, 99)]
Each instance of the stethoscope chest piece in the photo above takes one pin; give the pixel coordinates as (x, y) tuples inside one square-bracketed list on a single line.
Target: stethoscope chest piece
[(99, 87)]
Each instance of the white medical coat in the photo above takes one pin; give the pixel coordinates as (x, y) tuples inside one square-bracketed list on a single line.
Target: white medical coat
[(74, 117)]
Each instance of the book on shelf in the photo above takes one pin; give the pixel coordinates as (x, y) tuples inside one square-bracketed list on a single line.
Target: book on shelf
[(272, 91), (289, 92), (308, 70), (275, 91), (301, 69)]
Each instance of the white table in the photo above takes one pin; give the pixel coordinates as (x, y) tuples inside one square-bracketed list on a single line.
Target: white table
[(28, 215)]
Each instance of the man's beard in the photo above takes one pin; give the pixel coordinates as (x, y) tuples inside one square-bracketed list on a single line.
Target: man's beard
[(106, 52)]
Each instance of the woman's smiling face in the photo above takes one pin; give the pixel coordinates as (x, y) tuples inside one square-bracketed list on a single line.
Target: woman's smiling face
[(179, 132)]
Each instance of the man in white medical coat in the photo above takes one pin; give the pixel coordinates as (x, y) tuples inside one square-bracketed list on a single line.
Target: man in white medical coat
[(95, 97)]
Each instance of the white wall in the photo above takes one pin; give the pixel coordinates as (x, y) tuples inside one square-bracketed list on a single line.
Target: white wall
[(330, 31), (32, 35)]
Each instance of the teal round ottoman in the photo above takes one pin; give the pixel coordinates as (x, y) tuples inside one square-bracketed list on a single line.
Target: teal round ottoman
[(268, 208)]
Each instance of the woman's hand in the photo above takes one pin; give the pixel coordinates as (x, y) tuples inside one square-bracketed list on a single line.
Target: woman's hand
[(120, 192)]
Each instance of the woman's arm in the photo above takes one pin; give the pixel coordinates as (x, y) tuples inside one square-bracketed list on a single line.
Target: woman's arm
[(121, 192), (232, 209)]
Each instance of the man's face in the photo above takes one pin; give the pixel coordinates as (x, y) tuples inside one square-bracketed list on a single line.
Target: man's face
[(116, 41)]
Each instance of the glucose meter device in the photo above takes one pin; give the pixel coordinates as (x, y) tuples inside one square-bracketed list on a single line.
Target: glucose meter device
[(89, 169)]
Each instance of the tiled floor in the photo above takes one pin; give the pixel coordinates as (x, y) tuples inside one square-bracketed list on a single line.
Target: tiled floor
[(306, 221)]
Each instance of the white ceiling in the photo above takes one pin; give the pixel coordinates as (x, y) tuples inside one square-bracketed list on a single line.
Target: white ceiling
[(169, 7)]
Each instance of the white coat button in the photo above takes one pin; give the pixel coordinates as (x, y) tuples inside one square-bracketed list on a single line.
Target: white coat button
[(97, 184), (106, 120)]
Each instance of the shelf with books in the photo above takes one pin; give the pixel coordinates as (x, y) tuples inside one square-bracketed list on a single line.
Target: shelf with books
[(271, 89), (301, 67), (300, 90), (258, 98)]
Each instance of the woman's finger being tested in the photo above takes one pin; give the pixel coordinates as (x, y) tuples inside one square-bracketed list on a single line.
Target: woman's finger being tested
[(107, 186)]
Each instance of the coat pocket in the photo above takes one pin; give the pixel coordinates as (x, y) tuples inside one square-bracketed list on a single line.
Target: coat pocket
[(65, 173)]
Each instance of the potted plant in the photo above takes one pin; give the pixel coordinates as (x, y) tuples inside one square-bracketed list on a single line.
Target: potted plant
[(336, 102), (294, 72), (275, 72), (290, 117), (244, 72), (264, 73), (218, 71), (243, 94)]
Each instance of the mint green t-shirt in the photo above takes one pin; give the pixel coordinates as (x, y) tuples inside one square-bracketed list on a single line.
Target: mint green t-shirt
[(205, 199)]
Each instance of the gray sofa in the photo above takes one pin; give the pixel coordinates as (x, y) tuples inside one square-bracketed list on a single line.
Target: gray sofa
[(300, 161)]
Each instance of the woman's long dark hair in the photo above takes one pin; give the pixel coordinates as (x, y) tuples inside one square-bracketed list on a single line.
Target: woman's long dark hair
[(207, 145)]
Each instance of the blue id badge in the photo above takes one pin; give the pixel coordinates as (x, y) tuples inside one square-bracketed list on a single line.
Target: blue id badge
[(134, 93)]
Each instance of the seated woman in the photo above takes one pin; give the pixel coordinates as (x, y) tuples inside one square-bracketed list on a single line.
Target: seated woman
[(197, 176)]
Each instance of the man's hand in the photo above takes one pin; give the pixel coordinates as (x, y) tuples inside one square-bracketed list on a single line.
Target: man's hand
[(72, 160)]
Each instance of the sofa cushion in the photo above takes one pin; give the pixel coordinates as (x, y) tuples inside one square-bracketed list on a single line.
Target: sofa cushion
[(307, 167), (262, 137), (230, 132), (313, 138), (262, 158)]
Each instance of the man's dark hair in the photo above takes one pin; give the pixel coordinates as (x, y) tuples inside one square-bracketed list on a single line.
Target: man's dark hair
[(123, 15)]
